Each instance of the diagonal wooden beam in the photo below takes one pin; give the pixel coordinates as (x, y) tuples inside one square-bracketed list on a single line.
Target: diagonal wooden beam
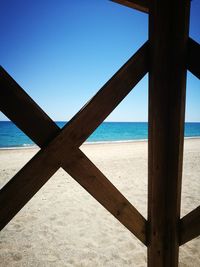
[(25, 184), (140, 5), (50, 156), (193, 57), (190, 226), (17, 105), (94, 181), (83, 124)]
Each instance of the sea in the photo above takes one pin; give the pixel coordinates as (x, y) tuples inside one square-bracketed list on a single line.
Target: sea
[(12, 137)]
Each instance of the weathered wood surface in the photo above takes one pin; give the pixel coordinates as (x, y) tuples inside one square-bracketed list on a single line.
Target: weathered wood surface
[(168, 32), (140, 5), (193, 60), (190, 226), (43, 165)]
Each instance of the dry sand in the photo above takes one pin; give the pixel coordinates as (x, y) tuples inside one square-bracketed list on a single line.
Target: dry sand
[(64, 226)]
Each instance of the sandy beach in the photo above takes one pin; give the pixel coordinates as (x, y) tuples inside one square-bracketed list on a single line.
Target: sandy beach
[(63, 225)]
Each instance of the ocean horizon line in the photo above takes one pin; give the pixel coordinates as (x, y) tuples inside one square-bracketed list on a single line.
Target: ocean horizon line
[(107, 132), (106, 121)]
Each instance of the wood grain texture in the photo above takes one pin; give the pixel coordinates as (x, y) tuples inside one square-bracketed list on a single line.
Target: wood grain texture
[(140, 5), (190, 226), (168, 32), (193, 58), (95, 182), (35, 174)]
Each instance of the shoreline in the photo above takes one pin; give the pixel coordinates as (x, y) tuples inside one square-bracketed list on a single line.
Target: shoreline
[(94, 143)]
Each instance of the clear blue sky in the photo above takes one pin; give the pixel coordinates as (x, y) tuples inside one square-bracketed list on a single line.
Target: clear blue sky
[(62, 52)]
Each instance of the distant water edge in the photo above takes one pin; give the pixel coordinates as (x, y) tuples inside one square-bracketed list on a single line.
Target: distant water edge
[(108, 132)]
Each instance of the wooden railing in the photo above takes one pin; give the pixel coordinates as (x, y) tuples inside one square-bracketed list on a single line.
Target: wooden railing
[(164, 231)]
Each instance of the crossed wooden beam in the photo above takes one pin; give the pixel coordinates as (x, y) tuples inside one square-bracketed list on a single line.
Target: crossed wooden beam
[(60, 147)]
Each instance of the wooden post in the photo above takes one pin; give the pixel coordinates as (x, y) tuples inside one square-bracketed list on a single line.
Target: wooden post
[(168, 34)]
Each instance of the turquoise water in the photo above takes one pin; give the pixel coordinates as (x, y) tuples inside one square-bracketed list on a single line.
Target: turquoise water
[(11, 136)]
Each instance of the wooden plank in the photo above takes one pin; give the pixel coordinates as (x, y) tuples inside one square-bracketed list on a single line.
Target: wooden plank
[(17, 105), (46, 162), (168, 31), (25, 184), (140, 5), (106, 100), (193, 59), (190, 226), (94, 181)]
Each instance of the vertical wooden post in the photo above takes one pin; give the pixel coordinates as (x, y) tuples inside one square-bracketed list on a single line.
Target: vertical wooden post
[(168, 34)]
